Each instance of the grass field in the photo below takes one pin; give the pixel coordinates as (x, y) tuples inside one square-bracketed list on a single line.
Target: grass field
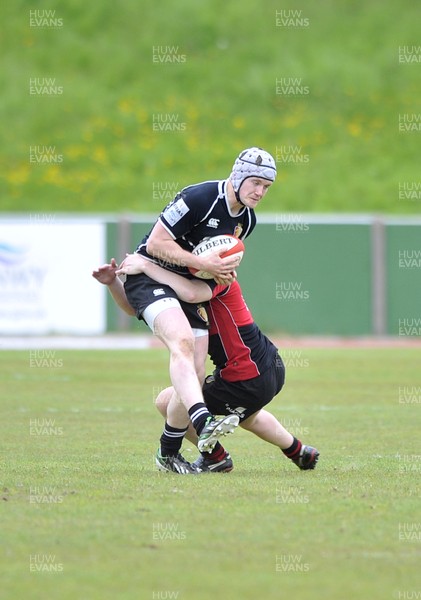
[(85, 514)]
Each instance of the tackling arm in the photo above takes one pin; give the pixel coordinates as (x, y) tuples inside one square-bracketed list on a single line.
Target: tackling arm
[(107, 275), (188, 290), (162, 246)]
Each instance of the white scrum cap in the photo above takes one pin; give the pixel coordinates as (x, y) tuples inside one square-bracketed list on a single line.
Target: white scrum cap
[(253, 162)]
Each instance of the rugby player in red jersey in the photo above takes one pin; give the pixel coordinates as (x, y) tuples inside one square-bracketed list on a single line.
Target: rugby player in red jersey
[(248, 374)]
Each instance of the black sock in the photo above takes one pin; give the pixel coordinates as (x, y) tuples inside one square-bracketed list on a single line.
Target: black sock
[(171, 440), (198, 415), (294, 450)]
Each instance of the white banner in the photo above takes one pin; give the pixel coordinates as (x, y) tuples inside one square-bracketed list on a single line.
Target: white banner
[(46, 285)]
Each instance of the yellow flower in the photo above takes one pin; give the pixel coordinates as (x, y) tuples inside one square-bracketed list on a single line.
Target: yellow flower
[(54, 175), (239, 123), (141, 115), (354, 128), (100, 155), (19, 175), (75, 151), (125, 106)]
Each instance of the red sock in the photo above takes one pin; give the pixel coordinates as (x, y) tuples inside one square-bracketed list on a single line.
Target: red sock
[(217, 453), (294, 450)]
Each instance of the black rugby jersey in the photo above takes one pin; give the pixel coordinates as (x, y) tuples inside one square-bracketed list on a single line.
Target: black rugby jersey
[(197, 212)]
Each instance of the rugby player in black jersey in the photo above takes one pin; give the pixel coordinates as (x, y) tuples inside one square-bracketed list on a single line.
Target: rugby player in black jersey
[(198, 211)]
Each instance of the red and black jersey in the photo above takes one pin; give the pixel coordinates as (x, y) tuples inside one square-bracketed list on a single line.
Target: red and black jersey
[(197, 212), (237, 347)]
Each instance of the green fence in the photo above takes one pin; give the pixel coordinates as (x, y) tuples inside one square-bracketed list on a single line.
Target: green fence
[(322, 275), (403, 276)]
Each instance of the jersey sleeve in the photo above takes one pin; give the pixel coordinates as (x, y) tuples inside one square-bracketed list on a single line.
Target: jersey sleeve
[(216, 288), (184, 212)]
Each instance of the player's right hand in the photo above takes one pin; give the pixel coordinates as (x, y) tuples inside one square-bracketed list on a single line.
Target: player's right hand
[(219, 267), (132, 265)]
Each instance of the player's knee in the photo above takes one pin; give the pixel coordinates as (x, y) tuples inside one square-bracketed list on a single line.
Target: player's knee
[(183, 346), (186, 345), (162, 400), (251, 421)]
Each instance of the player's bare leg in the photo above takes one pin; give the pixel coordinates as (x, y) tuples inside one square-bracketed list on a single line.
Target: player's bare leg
[(200, 353), (185, 405), (171, 408), (169, 403), (173, 328), (268, 428), (174, 411)]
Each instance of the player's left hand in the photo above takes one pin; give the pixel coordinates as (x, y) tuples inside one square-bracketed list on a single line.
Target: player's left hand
[(107, 273), (227, 279)]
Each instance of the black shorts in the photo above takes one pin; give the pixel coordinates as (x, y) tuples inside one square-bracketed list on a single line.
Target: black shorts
[(243, 398), (142, 291)]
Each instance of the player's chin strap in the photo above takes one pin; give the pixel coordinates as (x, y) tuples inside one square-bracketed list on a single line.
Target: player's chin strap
[(237, 196), (237, 193)]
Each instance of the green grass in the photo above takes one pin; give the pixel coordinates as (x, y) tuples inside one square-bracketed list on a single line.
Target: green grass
[(119, 529), (225, 94)]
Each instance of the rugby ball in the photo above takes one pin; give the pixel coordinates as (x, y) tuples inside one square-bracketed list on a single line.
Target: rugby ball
[(224, 245)]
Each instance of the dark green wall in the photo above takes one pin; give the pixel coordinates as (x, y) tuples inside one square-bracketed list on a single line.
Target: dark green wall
[(403, 282), (313, 277), (314, 280)]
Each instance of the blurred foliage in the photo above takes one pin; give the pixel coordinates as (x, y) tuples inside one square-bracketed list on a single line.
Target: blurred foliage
[(207, 72)]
